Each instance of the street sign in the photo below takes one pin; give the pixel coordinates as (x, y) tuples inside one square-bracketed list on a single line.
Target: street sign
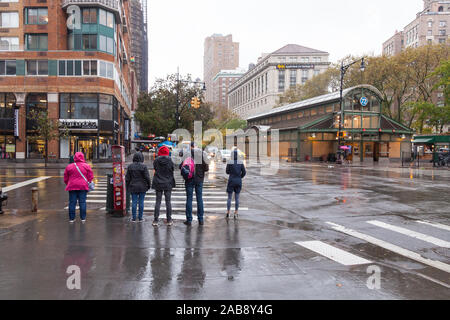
[(364, 101)]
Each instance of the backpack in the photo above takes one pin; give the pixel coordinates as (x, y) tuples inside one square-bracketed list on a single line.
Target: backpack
[(188, 169)]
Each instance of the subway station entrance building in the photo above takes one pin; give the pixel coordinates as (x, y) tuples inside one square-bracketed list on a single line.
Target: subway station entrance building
[(309, 129)]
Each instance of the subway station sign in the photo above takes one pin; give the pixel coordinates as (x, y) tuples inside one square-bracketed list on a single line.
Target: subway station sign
[(77, 124), (295, 66)]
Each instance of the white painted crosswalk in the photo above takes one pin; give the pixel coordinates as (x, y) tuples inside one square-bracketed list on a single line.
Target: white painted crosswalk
[(214, 199), (388, 241), (333, 253), (391, 246)]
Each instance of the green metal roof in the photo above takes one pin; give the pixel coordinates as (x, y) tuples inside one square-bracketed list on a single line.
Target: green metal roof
[(429, 140), (432, 139)]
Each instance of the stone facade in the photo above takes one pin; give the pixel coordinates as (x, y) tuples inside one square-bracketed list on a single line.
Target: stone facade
[(258, 90)]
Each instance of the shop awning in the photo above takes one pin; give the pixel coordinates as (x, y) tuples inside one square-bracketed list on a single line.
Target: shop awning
[(424, 140)]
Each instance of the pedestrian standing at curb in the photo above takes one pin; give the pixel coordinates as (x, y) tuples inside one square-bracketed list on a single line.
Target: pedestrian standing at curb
[(163, 182), (236, 171), (77, 177), (194, 181), (137, 183)]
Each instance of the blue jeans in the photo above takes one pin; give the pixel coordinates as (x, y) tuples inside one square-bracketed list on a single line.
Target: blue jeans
[(135, 197), (190, 186), (80, 197), (236, 201)]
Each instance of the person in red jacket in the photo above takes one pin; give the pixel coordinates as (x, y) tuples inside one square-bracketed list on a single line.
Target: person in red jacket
[(77, 177)]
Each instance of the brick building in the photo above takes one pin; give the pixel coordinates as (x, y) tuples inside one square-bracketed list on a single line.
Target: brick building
[(429, 27), (221, 84), (76, 66)]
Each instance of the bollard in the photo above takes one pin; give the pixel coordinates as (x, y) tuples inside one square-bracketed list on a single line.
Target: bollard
[(34, 199), (3, 197), (109, 193)]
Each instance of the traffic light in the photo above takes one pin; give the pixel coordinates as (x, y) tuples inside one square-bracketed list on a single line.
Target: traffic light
[(195, 103)]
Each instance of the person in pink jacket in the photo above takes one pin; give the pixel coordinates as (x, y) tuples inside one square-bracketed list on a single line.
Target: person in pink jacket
[(77, 185)]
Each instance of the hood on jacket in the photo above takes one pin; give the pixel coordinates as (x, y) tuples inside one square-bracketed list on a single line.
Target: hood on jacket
[(79, 157), (163, 152), (163, 160), (138, 157)]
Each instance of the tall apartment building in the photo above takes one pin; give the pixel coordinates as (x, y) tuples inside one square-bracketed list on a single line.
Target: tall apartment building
[(429, 27), (258, 90), (220, 53), (139, 41), (70, 58)]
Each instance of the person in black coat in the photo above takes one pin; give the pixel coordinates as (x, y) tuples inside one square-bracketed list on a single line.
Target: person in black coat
[(138, 183), (163, 182), (236, 171), (195, 183)]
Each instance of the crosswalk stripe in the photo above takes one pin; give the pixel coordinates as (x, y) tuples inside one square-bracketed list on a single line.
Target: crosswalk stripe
[(194, 209), (413, 234), (153, 196), (436, 225), (391, 247), (24, 183), (333, 253), (154, 201)]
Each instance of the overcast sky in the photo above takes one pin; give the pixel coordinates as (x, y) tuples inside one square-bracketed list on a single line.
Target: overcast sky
[(178, 28)]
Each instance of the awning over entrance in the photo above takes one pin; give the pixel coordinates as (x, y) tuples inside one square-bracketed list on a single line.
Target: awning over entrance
[(425, 141), (432, 139)]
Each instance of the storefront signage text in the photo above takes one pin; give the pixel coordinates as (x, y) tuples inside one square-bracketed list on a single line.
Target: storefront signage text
[(16, 122), (79, 124), (295, 66)]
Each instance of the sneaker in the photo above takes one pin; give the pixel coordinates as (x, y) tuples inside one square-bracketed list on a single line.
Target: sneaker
[(83, 221), (142, 220), (188, 223), (169, 223), (133, 220), (155, 223), (201, 222), (71, 221)]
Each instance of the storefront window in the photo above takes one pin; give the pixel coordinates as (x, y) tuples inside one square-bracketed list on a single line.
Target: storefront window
[(370, 122), (104, 147), (7, 101), (348, 121), (7, 147), (35, 149), (106, 107), (35, 102), (84, 106), (357, 122)]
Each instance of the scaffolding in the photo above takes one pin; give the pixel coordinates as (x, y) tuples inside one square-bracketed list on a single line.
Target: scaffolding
[(139, 41)]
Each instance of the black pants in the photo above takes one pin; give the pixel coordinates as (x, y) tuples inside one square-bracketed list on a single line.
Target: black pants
[(167, 195)]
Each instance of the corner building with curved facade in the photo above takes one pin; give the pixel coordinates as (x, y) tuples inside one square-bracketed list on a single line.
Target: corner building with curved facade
[(83, 77)]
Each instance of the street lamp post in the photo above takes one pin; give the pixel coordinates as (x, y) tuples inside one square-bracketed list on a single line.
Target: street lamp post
[(177, 114), (344, 69)]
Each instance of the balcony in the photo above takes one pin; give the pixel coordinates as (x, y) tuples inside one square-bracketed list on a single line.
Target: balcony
[(110, 5)]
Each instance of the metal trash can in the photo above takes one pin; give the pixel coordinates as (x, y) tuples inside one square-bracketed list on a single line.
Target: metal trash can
[(109, 193)]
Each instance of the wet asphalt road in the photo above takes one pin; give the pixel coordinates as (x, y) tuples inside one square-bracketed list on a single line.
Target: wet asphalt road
[(395, 219)]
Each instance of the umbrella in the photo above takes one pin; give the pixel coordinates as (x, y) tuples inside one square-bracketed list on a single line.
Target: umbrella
[(345, 148), (165, 143)]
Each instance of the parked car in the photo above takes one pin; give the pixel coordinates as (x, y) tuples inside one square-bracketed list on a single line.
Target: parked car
[(224, 155)]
